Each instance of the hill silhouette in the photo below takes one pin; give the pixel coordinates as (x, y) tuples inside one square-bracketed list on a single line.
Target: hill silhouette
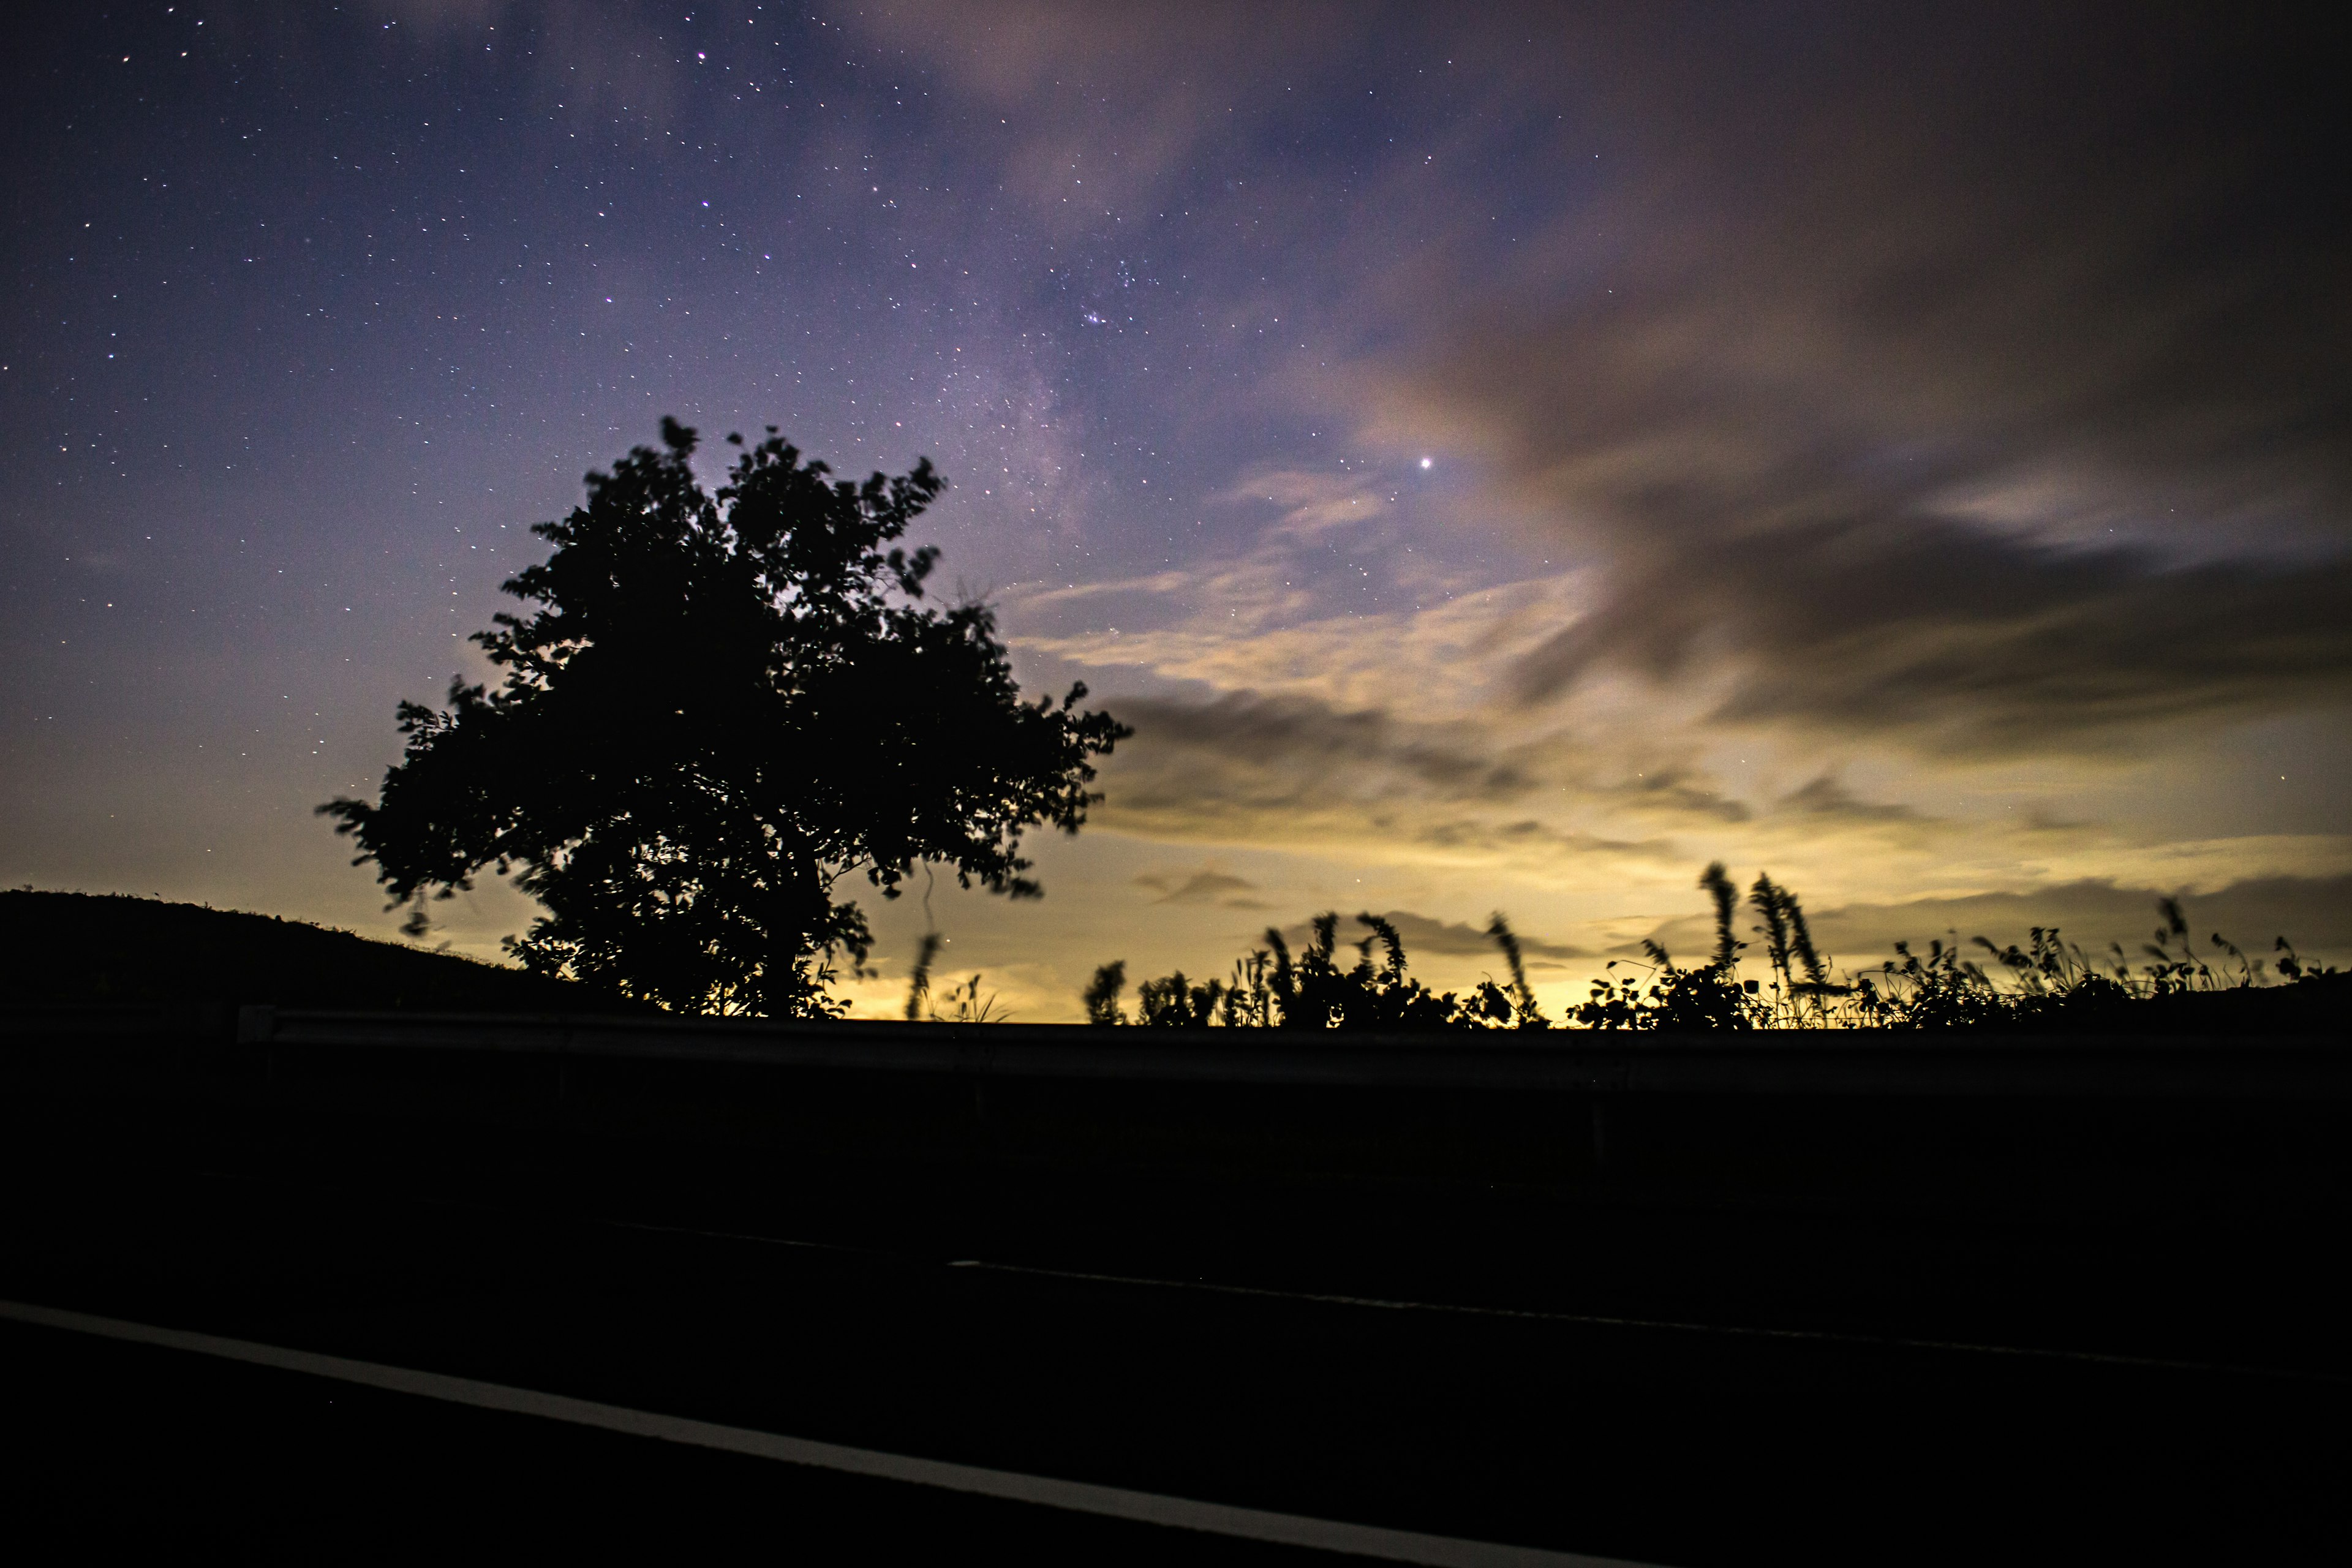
[(83, 948)]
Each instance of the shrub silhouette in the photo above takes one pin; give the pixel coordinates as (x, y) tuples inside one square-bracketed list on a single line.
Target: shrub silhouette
[(1173, 1002), (1271, 988), (1708, 999), (717, 707), (1102, 997)]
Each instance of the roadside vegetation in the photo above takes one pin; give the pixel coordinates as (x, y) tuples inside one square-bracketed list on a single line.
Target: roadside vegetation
[(1779, 980), (1764, 971)]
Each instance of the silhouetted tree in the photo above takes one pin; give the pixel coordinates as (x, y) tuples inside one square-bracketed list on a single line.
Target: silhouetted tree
[(1102, 996), (717, 707)]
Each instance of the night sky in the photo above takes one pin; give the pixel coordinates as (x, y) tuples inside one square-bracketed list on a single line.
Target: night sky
[(1494, 460)]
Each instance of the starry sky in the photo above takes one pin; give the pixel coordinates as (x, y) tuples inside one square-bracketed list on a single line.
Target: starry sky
[(1495, 458)]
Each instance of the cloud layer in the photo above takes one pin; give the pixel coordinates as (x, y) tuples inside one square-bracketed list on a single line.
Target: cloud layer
[(1994, 400)]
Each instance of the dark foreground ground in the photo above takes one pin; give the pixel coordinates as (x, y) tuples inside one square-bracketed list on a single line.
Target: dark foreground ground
[(1659, 1444), (1652, 1374)]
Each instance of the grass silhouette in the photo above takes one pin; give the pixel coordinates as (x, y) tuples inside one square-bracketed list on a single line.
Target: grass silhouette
[(2048, 984), (1318, 988)]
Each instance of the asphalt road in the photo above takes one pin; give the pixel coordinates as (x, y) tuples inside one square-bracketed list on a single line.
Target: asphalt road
[(1686, 1441)]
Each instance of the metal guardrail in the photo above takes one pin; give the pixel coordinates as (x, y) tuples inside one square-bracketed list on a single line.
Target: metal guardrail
[(1888, 1123), (1804, 1062), (103, 1020), (1824, 1062)]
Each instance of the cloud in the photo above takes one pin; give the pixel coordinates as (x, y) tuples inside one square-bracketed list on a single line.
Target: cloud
[(1950, 640), (1993, 404), (1294, 773), (1202, 887), (2313, 912), (1265, 623), (1457, 939), (1243, 726), (1311, 504), (1674, 791), (1932, 424), (1109, 105), (1424, 937), (1157, 582), (1286, 769), (1824, 797)]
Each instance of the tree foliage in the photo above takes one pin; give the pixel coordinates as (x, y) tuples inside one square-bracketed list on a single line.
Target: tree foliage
[(716, 707)]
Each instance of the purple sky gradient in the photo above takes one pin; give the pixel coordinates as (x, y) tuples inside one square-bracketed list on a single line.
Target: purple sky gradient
[(1494, 458)]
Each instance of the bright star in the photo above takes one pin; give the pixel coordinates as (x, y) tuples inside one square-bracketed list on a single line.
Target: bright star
[(1424, 462)]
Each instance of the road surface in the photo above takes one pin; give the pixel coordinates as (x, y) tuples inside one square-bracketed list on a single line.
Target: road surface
[(1682, 1436)]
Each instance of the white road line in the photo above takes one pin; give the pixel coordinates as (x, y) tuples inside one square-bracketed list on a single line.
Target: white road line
[(1079, 1497)]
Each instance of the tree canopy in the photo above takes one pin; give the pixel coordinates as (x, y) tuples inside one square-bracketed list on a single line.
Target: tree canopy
[(717, 707)]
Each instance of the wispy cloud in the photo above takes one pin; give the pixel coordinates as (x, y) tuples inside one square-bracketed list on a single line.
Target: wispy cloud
[(1310, 502), (1205, 886), (1426, 938), (1824, 797)]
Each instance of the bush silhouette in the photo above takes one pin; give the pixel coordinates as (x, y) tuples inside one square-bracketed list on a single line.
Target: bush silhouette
[(717, 707), (1314, 990)]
